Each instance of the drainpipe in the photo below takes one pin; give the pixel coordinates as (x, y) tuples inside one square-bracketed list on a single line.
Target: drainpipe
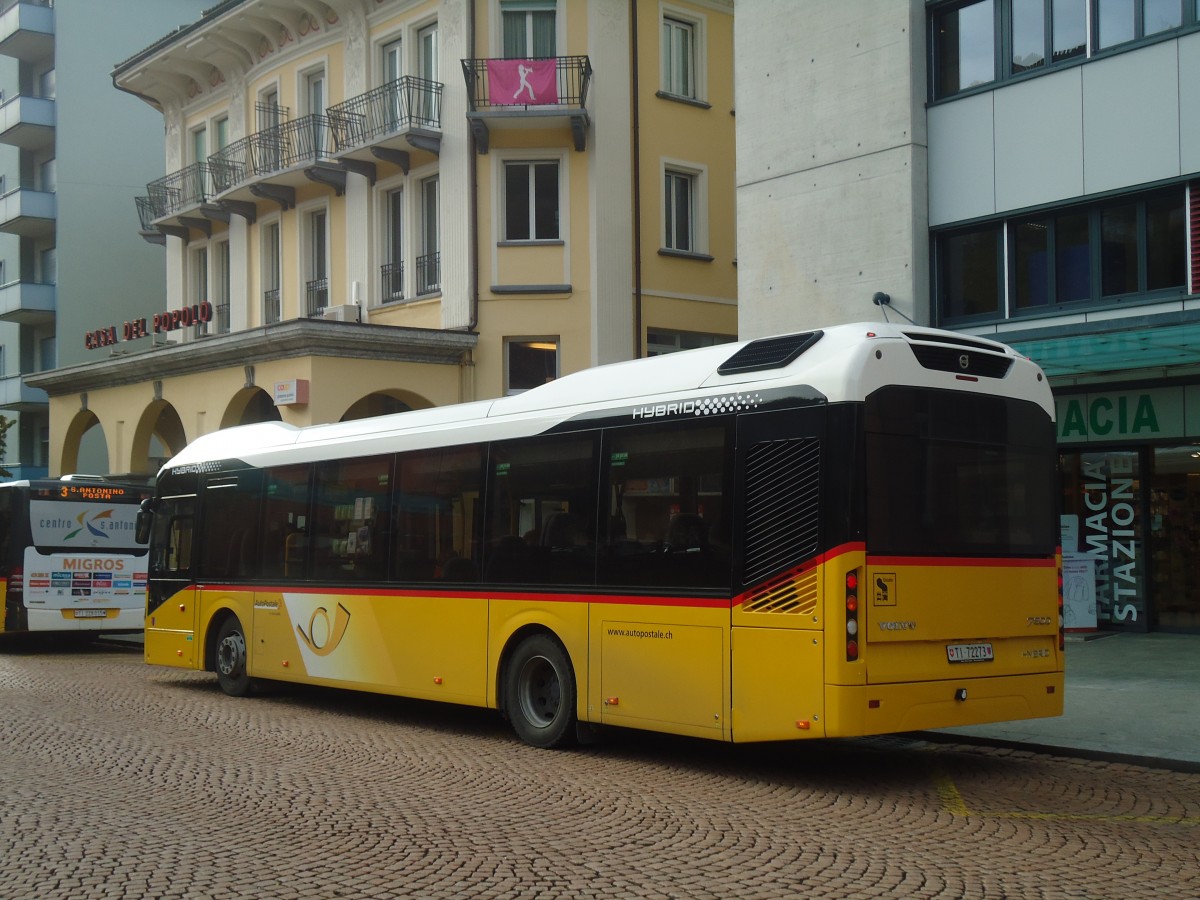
[(473, 206), (635, 112)]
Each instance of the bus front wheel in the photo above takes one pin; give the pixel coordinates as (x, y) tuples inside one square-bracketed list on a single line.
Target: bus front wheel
[(232, 673), (540, 693)]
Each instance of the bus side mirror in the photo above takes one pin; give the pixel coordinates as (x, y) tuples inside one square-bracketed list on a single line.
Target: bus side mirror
[(145, 519)]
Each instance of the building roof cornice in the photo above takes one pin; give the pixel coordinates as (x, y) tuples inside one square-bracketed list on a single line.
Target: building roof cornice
[(285, 340)]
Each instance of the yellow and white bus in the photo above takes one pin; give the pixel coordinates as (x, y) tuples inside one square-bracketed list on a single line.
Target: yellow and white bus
[(843, 532), (69, 560)]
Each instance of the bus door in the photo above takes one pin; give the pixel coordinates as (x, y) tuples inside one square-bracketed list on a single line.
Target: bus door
[(171, 597), (777, 638)]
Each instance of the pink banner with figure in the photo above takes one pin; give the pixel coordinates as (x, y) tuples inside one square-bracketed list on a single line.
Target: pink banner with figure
[(516, 82)]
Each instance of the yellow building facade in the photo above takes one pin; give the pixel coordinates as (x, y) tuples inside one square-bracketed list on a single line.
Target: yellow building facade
[(377, 205)]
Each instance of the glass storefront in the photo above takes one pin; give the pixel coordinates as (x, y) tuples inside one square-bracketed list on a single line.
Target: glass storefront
[(1131, 534), (1174, 537)]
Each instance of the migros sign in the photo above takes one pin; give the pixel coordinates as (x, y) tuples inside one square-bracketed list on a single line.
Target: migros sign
[(1172, 412)]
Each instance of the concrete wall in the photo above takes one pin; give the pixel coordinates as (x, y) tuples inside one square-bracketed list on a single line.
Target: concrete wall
[(831, 162)]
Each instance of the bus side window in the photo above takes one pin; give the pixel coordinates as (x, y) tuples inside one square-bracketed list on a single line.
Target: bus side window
[(668, 506), (229, 538), (351, 519), (172, 541), (284, 541), (542, 511), (435, 514)]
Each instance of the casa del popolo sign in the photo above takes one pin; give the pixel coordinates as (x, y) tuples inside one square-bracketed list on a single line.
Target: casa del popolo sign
[(171, 320), (1137, 415)]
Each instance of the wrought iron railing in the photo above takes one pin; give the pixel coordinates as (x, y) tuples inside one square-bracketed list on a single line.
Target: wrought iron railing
[(393, 281), (390, 108), (147, 211), (573, 76), (182, 190), (316, 297), (308, 139), (271, 311), (222, 311), (429, 273)]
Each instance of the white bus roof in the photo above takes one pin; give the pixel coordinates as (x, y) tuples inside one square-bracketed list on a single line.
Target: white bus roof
[(846, 363)]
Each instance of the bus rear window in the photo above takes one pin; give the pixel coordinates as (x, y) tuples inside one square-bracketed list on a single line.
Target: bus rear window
[(955, 474)]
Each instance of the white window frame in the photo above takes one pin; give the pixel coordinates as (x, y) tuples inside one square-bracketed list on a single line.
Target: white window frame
[(698, 178), (698, 26), (310, 245), (270, 280), (560, 29), (529, 163), (220, 281), (199, 281)]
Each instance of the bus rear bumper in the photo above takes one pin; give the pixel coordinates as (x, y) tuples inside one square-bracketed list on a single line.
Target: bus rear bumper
[(915, 706), (114, 619)]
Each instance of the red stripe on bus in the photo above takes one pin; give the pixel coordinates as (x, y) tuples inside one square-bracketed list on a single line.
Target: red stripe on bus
[(610, 599), (980, 562)]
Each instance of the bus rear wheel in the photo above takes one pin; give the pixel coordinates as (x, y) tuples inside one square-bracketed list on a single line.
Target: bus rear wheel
[(233, 675), (540, 693)]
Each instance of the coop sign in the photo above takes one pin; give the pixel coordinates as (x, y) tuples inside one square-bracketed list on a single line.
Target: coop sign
[(168, 320), (1172, 412)]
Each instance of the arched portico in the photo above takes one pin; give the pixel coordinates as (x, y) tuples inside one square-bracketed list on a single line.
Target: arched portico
[(383, 403), (248, 406), (85, 446), (158, 437)]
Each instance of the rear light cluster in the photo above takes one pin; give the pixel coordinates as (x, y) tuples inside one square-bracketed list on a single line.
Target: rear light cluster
[(1061, 621), (852, 615), (16, 583)]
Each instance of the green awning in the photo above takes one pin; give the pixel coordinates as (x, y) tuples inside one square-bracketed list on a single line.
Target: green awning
[(1137, 347)]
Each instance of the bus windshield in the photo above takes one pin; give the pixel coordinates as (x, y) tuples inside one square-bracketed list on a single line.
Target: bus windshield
[(951, 474)]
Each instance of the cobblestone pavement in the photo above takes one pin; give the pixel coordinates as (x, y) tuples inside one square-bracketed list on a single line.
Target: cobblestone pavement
[(122, 780)]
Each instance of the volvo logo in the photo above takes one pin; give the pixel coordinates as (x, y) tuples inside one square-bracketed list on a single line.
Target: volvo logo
[(964, 362)]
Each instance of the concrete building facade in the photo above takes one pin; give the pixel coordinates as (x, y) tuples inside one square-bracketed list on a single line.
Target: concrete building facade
[(1026, 170), (376, 205)]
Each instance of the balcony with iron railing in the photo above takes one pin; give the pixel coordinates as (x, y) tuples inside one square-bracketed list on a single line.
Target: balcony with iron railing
[(270, 164), (516, 93), (429, 273), (393, 282), (27, 29), (389, 121), (27, 122), (271, 310), (316, 297)]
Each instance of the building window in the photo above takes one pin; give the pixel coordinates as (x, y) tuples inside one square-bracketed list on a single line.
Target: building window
[(429, 263), (660, 340), (528, 28), (393, 267), (531, 207), (529, 362), (969, 273), (967, 38), (1117, 250), (964, 46), (316, 289), (198, 262), (221, 285), (270, 273), (679, 57), (679, 217)]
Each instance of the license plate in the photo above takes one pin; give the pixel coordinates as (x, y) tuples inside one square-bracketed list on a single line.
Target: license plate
[(960, 653), (91, 613)]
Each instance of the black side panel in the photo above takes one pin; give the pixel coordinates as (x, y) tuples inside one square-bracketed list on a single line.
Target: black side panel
[(779, 476)]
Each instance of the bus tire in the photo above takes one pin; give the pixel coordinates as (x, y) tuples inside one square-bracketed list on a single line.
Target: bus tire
[(539, 693), (233, 674)]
